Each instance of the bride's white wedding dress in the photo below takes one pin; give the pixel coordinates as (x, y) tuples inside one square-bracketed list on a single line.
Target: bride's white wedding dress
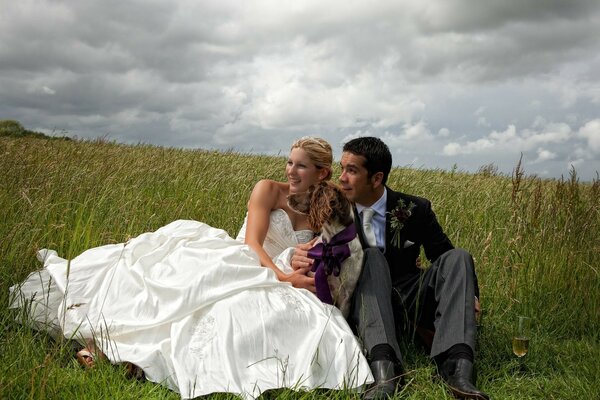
[(194, 308)]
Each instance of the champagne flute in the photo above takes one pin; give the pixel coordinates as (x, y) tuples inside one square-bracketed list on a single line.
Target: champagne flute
[(520, 341)]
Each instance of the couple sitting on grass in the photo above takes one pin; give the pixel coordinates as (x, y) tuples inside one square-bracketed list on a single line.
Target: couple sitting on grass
[(200, 312)]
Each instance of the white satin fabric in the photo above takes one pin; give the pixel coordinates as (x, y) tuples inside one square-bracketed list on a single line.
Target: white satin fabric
[(194, 308)]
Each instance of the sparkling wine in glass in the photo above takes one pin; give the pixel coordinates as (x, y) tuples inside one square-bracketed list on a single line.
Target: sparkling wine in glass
[(520, 342)]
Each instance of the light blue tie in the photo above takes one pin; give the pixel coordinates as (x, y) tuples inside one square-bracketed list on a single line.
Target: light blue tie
[(367, 223)]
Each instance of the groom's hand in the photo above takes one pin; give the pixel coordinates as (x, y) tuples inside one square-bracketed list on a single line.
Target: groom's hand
[(300, 259), (477, 309)]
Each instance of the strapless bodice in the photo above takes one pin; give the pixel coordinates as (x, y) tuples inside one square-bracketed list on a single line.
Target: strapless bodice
[(280, 235)]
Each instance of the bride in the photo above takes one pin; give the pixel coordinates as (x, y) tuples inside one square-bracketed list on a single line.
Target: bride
[(201, 312)]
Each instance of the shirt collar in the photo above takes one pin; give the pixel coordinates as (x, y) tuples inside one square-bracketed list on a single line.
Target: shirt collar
[(379, 206)]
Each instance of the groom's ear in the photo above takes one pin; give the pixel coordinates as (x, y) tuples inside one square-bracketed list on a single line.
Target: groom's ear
[(377, 179)]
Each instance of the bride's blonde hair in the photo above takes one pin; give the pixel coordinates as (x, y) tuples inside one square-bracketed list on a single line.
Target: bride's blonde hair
[(318, 150)]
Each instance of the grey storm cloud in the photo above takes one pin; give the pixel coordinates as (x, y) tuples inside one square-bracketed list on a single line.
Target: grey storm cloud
[(443, 82)]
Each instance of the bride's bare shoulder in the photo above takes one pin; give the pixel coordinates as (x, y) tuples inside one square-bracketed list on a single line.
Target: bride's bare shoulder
[(270, 191), (271, 187)]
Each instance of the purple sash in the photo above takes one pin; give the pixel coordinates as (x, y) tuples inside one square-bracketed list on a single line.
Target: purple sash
[(328, 259)]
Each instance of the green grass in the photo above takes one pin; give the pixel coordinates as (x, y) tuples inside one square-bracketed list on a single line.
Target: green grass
[(535, 242)]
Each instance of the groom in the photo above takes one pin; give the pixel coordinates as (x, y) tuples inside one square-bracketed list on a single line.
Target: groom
[(441, 299)]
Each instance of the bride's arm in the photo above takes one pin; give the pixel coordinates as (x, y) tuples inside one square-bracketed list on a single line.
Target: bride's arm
[(263, 200)]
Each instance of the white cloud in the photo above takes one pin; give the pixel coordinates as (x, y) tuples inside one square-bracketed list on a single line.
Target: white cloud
[(510, 139), (544, 155), (591, 132), (477, 146), (452, 149), (444, 132), (47, 90), (418, 130)]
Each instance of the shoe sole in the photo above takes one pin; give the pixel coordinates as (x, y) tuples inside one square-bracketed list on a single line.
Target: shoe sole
[(460, 394)]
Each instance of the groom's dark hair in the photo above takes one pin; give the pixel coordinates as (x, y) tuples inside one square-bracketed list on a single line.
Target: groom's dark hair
[(376, 153)]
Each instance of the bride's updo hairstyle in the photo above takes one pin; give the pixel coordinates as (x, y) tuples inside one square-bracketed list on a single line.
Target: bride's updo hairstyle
[(318, 150)]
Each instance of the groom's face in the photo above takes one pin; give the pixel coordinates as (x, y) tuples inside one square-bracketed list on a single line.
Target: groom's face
[(355, 181)]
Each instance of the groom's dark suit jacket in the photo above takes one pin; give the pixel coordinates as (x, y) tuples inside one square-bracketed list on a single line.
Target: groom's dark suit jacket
[(422, 229)]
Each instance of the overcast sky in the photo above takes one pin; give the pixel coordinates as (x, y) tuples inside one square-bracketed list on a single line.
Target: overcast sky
[(442, 82)]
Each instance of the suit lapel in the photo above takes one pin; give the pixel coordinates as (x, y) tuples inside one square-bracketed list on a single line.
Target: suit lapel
[(392, 201), (359, 228)]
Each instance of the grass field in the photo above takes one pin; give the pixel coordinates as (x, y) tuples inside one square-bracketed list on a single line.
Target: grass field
[(536, 245)]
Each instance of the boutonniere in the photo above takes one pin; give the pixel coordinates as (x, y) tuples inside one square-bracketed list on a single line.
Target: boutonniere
[(398, 217)]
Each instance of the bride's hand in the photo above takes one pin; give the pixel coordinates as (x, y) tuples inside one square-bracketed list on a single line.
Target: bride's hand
[(300, 259), (299, 279)]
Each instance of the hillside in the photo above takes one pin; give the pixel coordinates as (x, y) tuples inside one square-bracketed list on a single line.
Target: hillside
[(535, 244)]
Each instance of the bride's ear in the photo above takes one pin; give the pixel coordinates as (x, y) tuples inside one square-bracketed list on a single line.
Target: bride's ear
[(324, 174)]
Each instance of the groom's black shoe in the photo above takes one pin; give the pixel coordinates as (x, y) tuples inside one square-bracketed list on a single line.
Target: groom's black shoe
[(388, 378), (458, 375)]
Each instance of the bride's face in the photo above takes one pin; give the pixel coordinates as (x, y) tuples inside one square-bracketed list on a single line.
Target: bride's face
[(301, 172)]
